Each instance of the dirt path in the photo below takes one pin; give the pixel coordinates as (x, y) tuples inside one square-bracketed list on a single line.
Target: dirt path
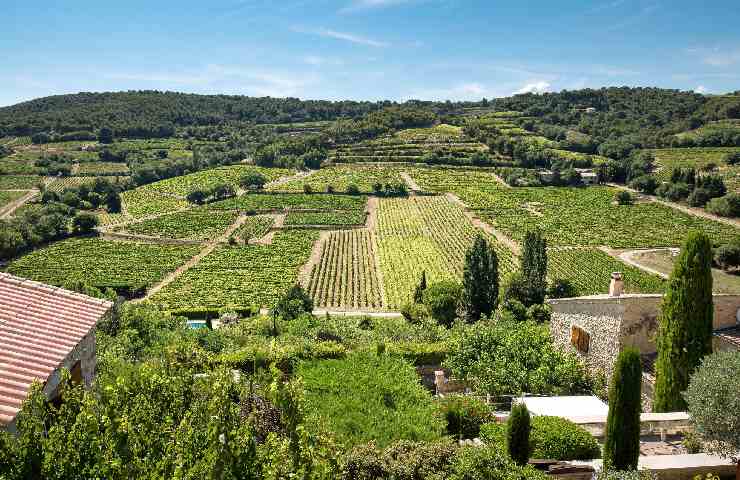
[(500, 180), (501, 237), (304, 274), (278, 224), (10, 208), (208, 247), (284, 180), (413, 186), (697, 212), (628, 257)]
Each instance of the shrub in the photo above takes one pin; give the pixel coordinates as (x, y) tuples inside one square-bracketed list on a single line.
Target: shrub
[(623, 197), (366, 398), (487, 463), (551, 437), (727, 206), (606, 474), (464, 415), (254, 181), (712, 184), (294, 303), (645, 184), (622, 446), (509, 357), (539, 313), (561, 288), (714, 403), (353, 189), (307, 188), (685, 330), (442, 299), (415, 312), (728, 256), (197, 196), (698, 198), (732, 158), (517, 434), (402, 460), (85, 223), (673, 191)]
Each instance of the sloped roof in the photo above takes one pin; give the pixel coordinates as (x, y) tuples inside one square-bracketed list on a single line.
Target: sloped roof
[(39, 326)]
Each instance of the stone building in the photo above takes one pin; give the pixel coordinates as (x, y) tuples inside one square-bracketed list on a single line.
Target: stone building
[(597, 327), (43, 329)]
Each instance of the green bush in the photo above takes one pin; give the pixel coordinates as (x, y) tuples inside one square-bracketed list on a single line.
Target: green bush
[(551, 438), (402, 460), (366, 398), (624, 197), (727, 206), (464, 415), (442, 299), (488, 463), (518, 429)]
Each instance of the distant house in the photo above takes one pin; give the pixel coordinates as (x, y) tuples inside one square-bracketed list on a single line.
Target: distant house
[(42, 330), (588, 176), (597, 327)]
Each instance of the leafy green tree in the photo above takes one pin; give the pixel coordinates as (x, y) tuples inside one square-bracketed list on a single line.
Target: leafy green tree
[(517, 434), (442, 299), (534, 267), (253, 180), (295, 302), (714, 404), (197, 197), (622, 446), (85, 223), (106, 135), (480, 280), (685, 330)]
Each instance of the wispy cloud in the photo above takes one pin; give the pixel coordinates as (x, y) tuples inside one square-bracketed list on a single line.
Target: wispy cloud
[(716, 56), (534, 87), (344, 36), (359, 5), (643, 14), (463, 91), (701, 89)]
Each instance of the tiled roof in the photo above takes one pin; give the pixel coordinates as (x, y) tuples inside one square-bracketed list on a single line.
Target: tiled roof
[(730, 335), (39, 326)]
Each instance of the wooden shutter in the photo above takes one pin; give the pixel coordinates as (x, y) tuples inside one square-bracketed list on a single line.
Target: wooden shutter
[(580, 339)]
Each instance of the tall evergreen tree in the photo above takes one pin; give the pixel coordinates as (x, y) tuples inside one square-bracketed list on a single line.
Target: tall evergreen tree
[(685, 330), (517, 434), (534, 267), (419, 292), (480, 280), (622, 445)]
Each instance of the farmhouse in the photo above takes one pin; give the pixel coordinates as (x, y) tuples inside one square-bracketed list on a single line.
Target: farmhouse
[(597, 327), (43, 329)]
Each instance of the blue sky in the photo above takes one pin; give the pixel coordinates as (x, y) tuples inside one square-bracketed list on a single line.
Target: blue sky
[(365, 49)]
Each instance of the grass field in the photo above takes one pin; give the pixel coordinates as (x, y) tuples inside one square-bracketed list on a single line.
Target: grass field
[(101, 263), (424, 234)]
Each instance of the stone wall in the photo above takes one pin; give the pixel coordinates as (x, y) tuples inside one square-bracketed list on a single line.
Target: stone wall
[(615, 322), (84, 352)]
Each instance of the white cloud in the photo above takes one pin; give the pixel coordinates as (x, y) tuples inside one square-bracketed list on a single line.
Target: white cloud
[(716, 56), (471, 91), (535, 87), (344, 36), (701, 89)]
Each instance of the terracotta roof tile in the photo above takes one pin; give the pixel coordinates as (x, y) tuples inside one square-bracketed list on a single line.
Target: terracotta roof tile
[(39, 326)]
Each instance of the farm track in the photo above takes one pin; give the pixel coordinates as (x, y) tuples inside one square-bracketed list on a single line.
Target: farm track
[(10, 208), (413, 186), (511, 244), (697, 212), (208, 247), (628, 258)]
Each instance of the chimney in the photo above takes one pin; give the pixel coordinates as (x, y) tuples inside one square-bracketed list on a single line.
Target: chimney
[(616, 287)]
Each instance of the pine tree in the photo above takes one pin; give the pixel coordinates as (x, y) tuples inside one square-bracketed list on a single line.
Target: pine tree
[(534, 267), (622, 445), (685, 330), (480, 280), (517, 434), (419, 292)]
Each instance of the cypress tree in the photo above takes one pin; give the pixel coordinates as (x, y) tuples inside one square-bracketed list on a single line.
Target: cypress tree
[(419, 292), (480, 280), (534, 267), (517, 434), (622, 445), (685, 328)]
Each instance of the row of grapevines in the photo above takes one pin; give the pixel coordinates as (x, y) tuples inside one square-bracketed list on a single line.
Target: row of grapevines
[(351, 217), (207, 179), (198, 224), (19, 182), (289, 201), (101, 263), (340, 177), (241, 276), (346, 276), (254, 227)]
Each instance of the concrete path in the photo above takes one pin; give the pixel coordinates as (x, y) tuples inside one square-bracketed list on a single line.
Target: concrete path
[(10, 208)]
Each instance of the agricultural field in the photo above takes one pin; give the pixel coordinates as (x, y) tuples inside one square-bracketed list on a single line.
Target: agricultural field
[(266, 202), (410, 146), (668, 159), (424, 234), (345, 218), (196, 224), (253, 228), (716, 127), (570, 216), (589, 270), (58, 184), (101, 263), (241, 276), (339, 177), (102, 168), (207, 179), (142, 202), (19, 182), (346, 275), (8, 197)]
